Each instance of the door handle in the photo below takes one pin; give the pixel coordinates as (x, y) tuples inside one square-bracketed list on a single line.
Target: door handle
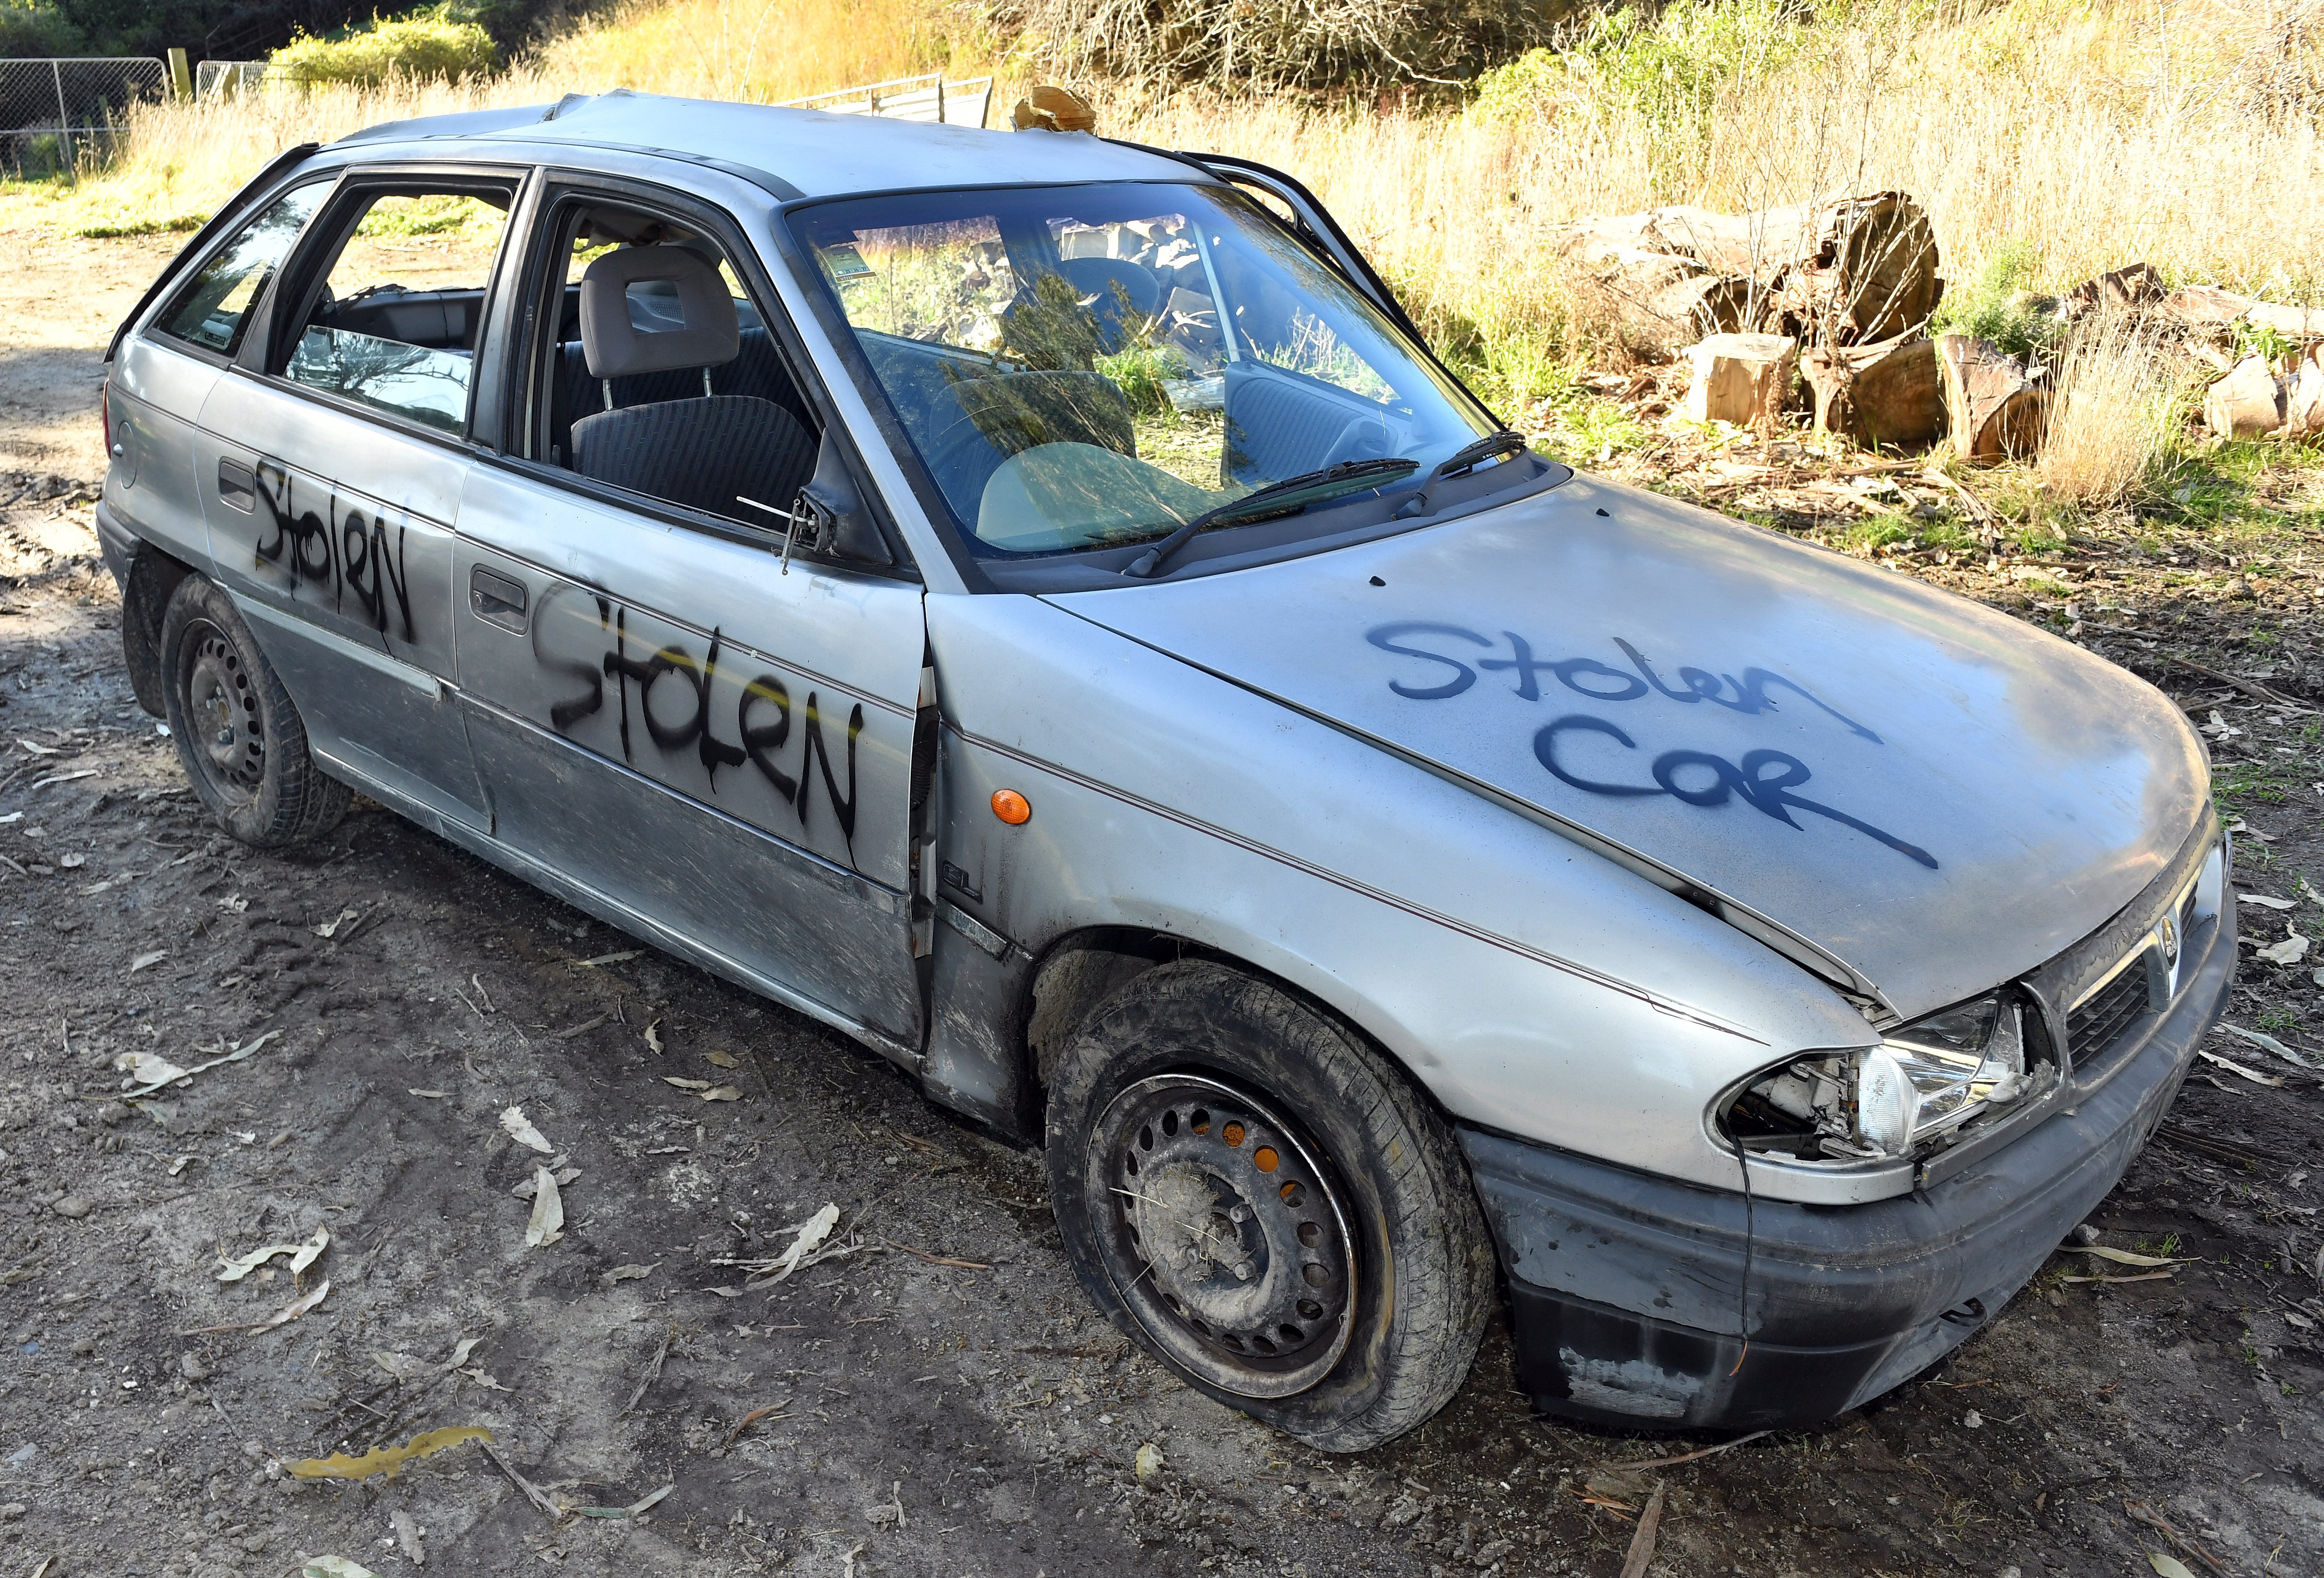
[(496, 599), (237, 486)]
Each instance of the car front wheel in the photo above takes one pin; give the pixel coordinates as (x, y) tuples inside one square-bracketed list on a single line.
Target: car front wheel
[(1255, 1195), (236, 731)]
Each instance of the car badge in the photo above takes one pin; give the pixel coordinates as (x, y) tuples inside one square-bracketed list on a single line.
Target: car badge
[(2167, 936)]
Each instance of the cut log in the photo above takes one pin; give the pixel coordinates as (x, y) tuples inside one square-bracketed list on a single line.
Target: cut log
[(1740, 378), (1652, 303), (1995, 407), (2247, 403), (2208, 307), (1853, 271), (1885, 393), (2304, 398), (2136, 285)]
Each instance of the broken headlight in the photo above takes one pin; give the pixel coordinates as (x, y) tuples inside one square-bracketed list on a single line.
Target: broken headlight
[(1923, 1081)]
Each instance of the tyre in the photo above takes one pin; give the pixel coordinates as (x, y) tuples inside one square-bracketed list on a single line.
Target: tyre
[(237, 734), (1253, 1193)]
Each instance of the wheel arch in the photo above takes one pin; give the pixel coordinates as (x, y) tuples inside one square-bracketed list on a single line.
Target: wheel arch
[(1077, 973), (153, 576)]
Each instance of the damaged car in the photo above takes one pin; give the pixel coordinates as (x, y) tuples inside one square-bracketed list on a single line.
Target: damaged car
[(1036, 606)]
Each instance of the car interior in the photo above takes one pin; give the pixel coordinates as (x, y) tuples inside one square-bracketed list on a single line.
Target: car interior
[(662, 377)]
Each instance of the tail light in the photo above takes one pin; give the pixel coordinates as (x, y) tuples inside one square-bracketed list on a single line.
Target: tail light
[(105, 414)]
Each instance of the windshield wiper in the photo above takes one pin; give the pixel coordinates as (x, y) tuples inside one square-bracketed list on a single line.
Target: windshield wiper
[(1466, 458), (1360, 472)]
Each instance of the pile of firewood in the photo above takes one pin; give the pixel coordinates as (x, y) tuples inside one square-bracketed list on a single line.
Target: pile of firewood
[(1838, 297)]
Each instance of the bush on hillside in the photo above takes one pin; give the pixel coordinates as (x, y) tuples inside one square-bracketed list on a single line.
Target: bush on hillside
[(33, 28), (424, 46), (1265, 45)]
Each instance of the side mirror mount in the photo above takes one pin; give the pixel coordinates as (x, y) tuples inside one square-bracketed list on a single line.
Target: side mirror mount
[(829, 516)]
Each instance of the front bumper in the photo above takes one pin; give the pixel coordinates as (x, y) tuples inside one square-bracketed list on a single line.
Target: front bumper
[(1627, 1290)]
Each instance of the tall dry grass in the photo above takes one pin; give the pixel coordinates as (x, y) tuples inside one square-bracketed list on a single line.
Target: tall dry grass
[(2115, 414), (2085, 133)]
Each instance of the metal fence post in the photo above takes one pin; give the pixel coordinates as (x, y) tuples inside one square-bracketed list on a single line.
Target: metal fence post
[(64, 118)]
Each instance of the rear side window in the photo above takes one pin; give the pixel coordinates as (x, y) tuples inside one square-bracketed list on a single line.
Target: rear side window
[(214, 310), (395, 324)]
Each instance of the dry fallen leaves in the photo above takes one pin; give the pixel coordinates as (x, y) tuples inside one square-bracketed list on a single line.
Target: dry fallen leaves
[(521, 1129), (548, 1223), (234, 1269), (386, 1460)]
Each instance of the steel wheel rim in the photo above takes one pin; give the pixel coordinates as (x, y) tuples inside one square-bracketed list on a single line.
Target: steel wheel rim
[(1223, 1233), (227, 739)]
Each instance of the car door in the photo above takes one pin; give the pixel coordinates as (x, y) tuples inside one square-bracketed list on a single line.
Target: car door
[(710, 738), (331, 459)]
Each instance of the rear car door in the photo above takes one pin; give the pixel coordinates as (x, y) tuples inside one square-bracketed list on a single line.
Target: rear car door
[(162, 376), (674, 718), (331, 459)]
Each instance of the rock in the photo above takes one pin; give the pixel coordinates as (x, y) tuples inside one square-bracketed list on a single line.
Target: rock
[(72, 1207), (2247, 402), (1739, 378), (1994, 405), (2239, 589), (1492, 1550), (13, 1511), (191, 1367), (1885, 394), (84, 1346), (111, 1113)]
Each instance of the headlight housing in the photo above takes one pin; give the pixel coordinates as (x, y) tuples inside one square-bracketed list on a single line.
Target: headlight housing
[(1924, 1081)]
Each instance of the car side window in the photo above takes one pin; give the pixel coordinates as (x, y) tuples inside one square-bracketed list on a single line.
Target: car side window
[(214, 310), (660, 375), (394, 325)]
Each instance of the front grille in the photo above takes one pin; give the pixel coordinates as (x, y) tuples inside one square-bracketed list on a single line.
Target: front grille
[(2093, 1028)]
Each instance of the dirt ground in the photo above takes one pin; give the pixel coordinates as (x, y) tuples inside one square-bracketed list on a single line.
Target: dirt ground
[(941, 1401)]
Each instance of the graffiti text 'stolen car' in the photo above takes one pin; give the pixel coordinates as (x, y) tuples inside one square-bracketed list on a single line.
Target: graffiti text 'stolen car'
[(1035, 604)]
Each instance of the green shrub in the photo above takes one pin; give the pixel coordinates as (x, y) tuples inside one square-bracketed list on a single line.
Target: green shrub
[(32, 28), (1668, 66), (426, 45), (1998, 304)]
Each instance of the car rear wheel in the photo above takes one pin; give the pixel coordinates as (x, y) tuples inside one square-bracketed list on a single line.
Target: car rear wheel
[(237, 734), (1256, 1195)]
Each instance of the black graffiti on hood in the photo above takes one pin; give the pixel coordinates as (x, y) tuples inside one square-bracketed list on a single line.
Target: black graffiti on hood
[(1585, 676), (343, 548), (1763, 780), (627, 666)]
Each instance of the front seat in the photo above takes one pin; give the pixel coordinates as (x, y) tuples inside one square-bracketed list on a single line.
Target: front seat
[(652, 309)]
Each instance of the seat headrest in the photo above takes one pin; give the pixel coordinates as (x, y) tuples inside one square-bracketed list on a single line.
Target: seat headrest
[(652, 309)]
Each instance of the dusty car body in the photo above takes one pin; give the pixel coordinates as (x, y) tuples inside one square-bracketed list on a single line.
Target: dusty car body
[(1775, 956)]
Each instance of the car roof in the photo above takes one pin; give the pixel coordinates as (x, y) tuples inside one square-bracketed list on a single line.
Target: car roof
[(818, 155)]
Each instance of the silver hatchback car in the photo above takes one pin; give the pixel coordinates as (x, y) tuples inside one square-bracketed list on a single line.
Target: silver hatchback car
[(1036, 605)]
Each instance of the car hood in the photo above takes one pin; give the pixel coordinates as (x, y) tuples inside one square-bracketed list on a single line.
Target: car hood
[(1934, 794)]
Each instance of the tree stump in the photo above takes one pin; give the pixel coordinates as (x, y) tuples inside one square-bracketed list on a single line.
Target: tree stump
[(1740, 378), (1885, 393), (1996, 408), (2247, 403)]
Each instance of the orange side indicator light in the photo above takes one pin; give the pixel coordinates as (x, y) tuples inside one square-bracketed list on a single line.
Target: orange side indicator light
[(1012, 807)]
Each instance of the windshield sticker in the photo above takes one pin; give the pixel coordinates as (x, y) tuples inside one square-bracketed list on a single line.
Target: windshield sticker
[(1764, 780)]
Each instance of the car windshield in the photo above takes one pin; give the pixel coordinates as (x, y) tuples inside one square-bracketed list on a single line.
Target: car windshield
[(1086, 366)]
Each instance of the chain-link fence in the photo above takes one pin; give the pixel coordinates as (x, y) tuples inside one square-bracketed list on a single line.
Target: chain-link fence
[(56, 113), (227, 78)]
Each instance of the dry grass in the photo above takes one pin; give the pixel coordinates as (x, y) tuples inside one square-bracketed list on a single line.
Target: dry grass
[(755, 50), (2080, 133), (2115, 416)]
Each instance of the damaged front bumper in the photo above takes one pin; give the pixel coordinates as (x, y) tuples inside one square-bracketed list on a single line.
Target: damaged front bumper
[(1627, 1291)]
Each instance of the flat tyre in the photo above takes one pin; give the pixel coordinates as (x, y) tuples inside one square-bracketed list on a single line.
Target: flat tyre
[(240, 741), (1252, 1192)]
